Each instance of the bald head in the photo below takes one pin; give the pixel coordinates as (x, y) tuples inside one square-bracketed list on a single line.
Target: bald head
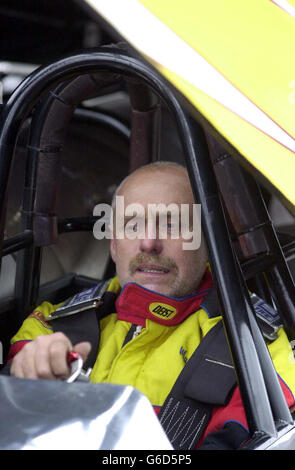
[(166, 167)]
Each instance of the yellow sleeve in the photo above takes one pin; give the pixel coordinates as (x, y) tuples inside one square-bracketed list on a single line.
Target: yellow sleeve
[(281, 351), (35, 324)]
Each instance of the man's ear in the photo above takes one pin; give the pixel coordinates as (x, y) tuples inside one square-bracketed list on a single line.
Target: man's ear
[(113, 250)]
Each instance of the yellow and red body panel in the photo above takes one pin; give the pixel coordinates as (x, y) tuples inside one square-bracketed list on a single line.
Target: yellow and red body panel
[(234, 61)]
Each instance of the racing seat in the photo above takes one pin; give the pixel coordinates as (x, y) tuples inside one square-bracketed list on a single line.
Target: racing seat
[(52, 93)]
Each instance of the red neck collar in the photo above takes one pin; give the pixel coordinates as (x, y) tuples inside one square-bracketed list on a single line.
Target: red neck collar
[(136, 303)]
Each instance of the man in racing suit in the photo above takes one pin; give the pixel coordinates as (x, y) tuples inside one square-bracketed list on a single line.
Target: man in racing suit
[(156, 318)]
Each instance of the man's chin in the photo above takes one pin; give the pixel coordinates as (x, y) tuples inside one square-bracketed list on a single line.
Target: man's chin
[(158, 286), (173, 288)]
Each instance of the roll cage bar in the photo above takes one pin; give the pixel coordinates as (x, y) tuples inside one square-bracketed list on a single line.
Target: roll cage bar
[(51, 94)]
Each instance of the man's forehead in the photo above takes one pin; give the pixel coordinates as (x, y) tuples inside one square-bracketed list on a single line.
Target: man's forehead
[(170, 179)]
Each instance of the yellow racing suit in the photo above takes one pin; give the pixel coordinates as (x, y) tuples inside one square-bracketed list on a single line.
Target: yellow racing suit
[(153, 359)]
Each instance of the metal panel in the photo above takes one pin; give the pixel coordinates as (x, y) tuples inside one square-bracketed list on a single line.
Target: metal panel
[(41, 414)]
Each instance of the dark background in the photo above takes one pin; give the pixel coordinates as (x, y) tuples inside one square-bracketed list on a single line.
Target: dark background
[(40, 31)]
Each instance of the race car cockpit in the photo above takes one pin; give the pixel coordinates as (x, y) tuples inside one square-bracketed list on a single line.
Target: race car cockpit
[(248, 259)]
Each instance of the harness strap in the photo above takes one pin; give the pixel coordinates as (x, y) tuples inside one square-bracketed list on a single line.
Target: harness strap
[(86, 325), (78, 328), (267, 317), (207, 380)]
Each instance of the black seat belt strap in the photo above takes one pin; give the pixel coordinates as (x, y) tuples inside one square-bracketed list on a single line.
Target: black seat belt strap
[(80, 328), (91, 306), (206, 380)]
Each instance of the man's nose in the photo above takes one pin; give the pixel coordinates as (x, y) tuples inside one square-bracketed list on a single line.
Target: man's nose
[(151, 245)]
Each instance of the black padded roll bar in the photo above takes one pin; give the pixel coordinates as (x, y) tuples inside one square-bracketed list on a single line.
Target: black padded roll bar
[(49, 125), (253, 229)]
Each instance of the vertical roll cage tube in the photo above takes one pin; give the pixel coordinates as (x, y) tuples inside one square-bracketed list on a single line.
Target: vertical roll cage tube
[(264, 402)]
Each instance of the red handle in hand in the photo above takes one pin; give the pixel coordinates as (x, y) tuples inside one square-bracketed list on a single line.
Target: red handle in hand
[(72, 356)]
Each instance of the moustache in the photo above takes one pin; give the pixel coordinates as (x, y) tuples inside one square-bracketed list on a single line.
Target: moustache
[(142, 258)]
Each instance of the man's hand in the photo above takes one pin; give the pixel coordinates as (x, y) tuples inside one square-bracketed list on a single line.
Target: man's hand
[(46, 357)]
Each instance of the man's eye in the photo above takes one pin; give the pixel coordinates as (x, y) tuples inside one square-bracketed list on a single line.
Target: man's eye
[(172, 226), (131, 227)]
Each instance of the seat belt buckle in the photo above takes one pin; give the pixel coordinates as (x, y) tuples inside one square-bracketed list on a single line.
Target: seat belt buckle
[(85, 300), (77, 372), (267, 317)]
